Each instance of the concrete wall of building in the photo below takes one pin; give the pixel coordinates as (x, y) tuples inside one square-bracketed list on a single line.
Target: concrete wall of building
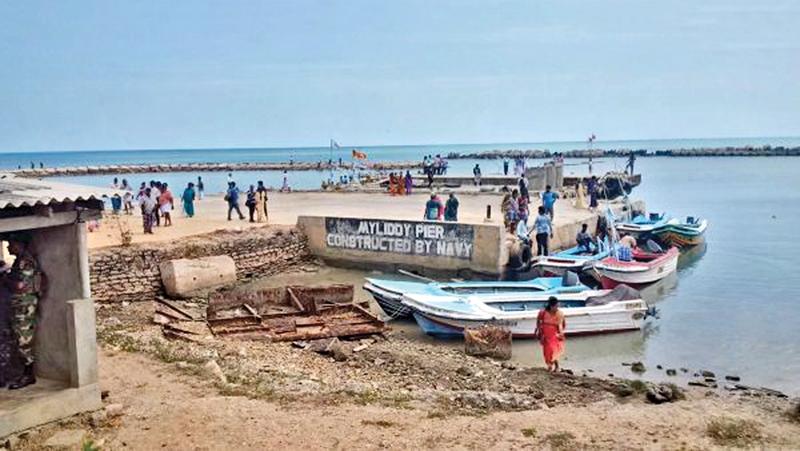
[(58, 255), (485, 240)]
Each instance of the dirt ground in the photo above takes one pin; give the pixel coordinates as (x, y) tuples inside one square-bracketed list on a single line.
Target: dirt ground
[(165, 408), (283, 209), (397, 393)]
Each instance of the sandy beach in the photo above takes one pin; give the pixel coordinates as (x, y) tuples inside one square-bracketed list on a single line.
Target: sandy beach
[(284, 208)]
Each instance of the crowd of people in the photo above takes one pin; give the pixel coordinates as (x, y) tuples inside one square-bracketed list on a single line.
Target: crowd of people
[(156, 202)]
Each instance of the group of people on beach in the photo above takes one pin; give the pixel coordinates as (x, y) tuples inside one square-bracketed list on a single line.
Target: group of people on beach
[(256, 198), (156, 201), (400, 184)]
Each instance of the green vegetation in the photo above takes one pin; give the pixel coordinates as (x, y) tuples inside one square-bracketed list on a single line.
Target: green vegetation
[(727, 431)]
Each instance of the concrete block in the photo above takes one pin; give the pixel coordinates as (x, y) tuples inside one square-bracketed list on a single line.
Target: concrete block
[(184, 277), (82, 342)]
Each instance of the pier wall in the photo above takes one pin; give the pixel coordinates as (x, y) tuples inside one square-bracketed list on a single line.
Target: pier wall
[(388, 244), (132, 273)]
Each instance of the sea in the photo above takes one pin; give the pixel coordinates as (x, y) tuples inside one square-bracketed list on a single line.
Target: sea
[(732, 308)]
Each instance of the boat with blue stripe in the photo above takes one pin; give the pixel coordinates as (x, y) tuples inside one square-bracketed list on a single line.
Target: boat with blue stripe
[(389, 293)]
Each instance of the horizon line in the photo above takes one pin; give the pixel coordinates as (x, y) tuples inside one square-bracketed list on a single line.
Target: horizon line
[(343, 147)]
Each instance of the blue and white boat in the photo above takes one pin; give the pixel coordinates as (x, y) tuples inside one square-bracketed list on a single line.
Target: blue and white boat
[(575, 259), (389, 293), (642, 225), (588, 312)]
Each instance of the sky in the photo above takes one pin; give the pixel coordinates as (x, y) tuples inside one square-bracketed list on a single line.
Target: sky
[(180, 74)]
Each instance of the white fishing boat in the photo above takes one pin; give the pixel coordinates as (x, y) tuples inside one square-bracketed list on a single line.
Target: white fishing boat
[(388, 293), (589, 312)]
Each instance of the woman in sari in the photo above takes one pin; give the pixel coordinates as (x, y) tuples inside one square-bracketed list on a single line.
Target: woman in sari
[(392, 184), (188, 200), (409, 182), (580, 196), (550, 325), (261, 202)]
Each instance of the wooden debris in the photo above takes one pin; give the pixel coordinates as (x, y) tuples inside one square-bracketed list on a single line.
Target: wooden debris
[(291, 314)]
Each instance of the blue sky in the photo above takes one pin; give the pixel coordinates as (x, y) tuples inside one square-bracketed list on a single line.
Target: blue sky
[(175, 74)]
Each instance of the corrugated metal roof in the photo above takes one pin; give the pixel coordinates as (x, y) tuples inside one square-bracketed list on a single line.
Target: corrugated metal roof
[(18, 192)]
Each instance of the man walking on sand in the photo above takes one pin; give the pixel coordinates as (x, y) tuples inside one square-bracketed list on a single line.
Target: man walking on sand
[(232, 197)]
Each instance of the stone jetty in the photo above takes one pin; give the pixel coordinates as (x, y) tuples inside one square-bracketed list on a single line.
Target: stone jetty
[(749, 151), (206, 167)]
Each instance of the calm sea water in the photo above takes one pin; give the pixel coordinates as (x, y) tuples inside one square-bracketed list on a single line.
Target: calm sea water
[(732, 308)]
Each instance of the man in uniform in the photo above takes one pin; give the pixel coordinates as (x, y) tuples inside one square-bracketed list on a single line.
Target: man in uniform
[(24, 284)]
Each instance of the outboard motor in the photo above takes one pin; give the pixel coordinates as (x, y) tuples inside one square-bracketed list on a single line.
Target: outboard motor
[(653, 247), (569, 279)]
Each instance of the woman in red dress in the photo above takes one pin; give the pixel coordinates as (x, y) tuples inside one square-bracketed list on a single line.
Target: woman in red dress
[(550, 325)]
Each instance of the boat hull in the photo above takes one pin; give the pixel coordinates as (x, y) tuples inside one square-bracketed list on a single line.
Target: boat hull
[(389, 302), (611, 272), (683, 235), (617, 320)]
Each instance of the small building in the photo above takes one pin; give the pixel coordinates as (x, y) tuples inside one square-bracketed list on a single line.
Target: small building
[(65, 347)]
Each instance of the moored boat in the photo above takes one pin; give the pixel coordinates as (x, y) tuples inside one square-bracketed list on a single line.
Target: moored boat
[(641, 226), (589, 312), (682, 234), (575, 259), (389, 293), (643, 269)]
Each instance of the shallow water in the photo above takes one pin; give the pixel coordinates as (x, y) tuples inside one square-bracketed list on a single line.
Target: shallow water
[(732, 307)]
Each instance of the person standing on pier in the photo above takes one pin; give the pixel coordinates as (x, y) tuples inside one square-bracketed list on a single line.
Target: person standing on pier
[(505, 165), (550, 327), (523, 187), (544, 231), (232, 197), (549, 200), (451, 209), (593, 189), (261, 203), (409, 182), (631, 161), (476, 174), (432, 208), (188, 200)]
